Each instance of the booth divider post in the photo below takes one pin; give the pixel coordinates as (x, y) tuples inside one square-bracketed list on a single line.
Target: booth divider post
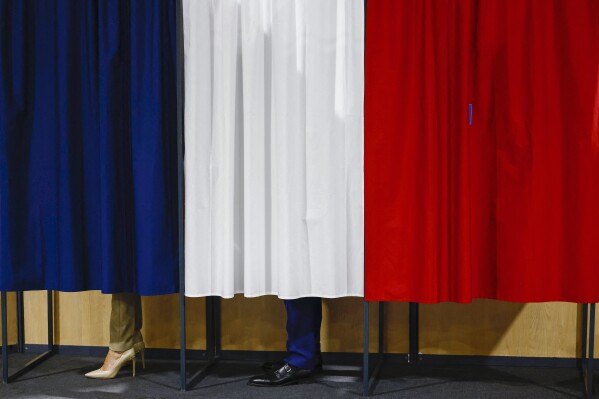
[(366, 376), (4, 339), (588, 347), (6, 377), (414, 322), (20, 322)]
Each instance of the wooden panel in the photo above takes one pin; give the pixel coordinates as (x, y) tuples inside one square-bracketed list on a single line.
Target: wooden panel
[(253, 323), (195, 314), (247, 324), (83, 318), (343, 325), (481, 328), (501, 329), (12, 318), (80, 318), (396, 328), (259, 324)]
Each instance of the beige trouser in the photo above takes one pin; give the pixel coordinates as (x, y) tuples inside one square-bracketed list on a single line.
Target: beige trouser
[(125, 321)]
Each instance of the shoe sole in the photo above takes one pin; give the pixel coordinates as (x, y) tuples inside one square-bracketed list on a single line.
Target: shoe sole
[(318, 369), (274, 386)]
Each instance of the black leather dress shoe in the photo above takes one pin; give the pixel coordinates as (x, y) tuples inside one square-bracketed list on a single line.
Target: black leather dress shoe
[(286, 375), (272, 366)]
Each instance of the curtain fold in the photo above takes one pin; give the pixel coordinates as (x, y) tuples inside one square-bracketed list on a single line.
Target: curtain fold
[(546, 165), (273, 161), (499, 204), (88, 146)]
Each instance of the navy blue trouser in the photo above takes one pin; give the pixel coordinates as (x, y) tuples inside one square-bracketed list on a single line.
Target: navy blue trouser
[(304, 316)]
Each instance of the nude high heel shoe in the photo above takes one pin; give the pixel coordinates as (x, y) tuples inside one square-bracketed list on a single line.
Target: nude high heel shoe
[(140, 347), (127, 356)]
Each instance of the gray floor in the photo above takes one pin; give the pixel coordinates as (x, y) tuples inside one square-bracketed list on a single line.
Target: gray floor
[(62, 377)]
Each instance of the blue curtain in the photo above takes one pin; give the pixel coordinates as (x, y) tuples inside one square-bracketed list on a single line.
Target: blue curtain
[(88, 157)]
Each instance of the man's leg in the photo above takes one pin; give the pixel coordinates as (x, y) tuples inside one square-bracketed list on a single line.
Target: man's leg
[(304, 317)]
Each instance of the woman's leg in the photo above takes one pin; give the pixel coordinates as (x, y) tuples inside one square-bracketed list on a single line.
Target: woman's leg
[(125, 322), (125, 335)]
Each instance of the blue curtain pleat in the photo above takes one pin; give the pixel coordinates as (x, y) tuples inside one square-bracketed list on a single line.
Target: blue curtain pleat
[(88, 157)]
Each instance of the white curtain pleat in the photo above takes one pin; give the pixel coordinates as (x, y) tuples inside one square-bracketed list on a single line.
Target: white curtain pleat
[(274, 147)]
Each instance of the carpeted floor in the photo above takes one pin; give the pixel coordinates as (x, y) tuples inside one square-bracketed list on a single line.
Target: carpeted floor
[(62, 377)]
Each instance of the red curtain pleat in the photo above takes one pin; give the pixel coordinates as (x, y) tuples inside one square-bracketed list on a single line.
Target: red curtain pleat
[(506, 207)]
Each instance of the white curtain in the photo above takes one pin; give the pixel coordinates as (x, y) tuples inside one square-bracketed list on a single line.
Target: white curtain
[(274, 147)]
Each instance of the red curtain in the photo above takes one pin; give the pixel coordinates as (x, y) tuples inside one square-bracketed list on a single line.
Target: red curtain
[(502, 203)]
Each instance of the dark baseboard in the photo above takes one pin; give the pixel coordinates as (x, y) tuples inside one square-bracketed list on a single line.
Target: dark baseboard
[(509, 361), (100, 351), (338, 358)]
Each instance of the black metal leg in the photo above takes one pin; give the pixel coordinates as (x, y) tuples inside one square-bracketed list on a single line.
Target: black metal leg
[(585, 332), (210, 327), (4, 339), (365, 359), (182, 343), (414, 355), (181, 196), (6, 378), (20, 322), (381, 328), (217, 330), (366, 375), (210, 342), (50, 302), (591, 356)]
